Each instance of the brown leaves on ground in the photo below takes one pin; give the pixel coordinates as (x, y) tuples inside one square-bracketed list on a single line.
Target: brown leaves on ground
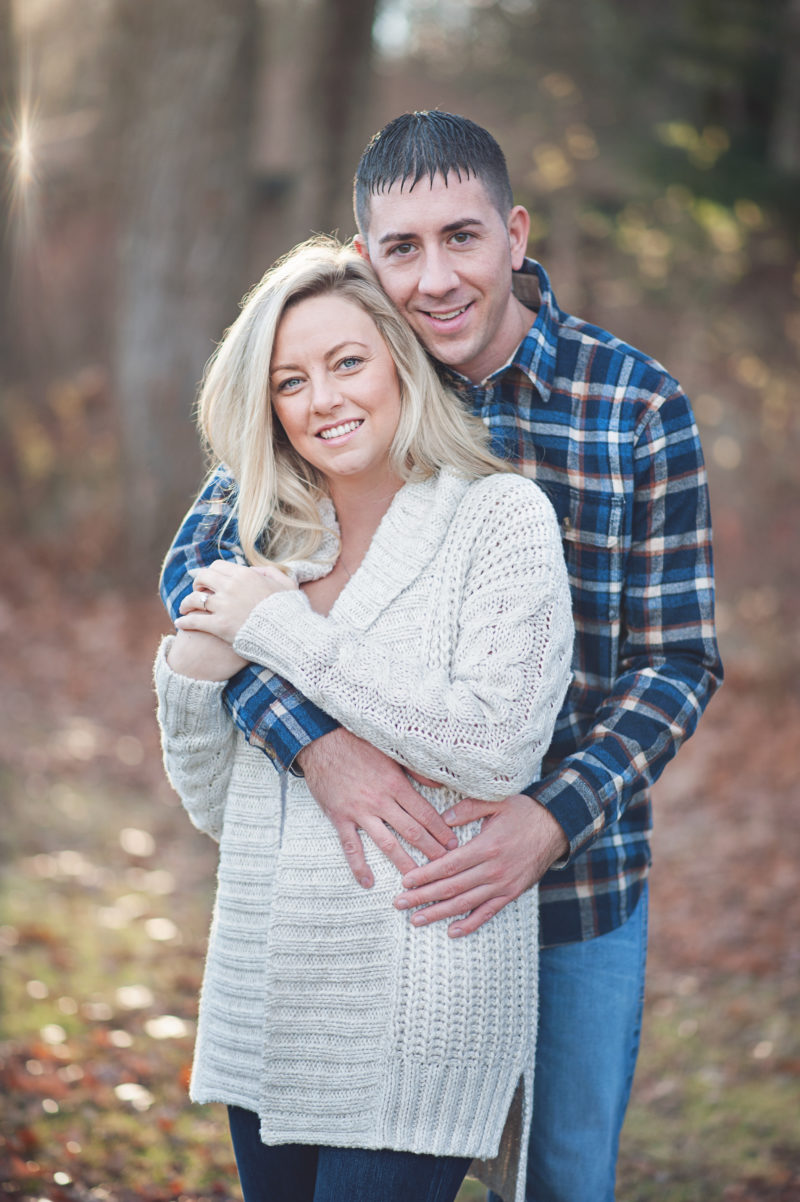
[(727, 846)]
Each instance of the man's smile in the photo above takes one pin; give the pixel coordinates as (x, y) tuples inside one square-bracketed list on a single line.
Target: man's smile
[(445, 315)]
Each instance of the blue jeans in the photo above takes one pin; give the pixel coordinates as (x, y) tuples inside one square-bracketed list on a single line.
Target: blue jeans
[(590, 1018), (307, 1173)]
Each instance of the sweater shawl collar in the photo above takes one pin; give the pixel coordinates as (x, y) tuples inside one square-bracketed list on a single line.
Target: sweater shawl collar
[(409, 535)]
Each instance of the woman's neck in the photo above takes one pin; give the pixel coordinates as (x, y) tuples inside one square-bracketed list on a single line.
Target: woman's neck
[(359, 510)]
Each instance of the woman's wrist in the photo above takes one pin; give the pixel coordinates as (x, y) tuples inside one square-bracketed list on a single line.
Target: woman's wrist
[(203, 656)]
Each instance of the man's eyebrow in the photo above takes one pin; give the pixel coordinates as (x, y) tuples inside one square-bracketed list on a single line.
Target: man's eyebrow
[(331, 351), (451, 227)]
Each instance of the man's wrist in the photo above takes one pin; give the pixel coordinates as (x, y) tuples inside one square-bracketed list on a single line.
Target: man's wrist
[(569, 806), (296, 767), (557, 840), (308, 755)]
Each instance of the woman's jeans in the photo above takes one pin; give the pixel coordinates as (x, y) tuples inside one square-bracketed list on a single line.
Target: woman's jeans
[(305, 1173), (590, 1017)]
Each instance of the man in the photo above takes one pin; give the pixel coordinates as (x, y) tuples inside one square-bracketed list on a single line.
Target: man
[(611, 438)]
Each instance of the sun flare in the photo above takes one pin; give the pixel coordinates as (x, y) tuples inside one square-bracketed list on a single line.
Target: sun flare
[(21, 184), (23, 153)]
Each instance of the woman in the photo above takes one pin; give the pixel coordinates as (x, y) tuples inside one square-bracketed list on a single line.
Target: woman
[(405, 581)]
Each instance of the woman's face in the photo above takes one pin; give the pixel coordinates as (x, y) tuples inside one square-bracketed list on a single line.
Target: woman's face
[(335, 390)]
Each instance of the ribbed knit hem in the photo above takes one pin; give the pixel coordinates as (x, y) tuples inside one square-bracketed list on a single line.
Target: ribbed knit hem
[(416, 1112), (446, 1110)]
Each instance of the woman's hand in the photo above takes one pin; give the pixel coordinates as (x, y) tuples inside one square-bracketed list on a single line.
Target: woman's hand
[(203, 657), (225, 594)]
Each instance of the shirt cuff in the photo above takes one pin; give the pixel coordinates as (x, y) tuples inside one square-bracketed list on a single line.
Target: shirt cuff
[(575, 807)]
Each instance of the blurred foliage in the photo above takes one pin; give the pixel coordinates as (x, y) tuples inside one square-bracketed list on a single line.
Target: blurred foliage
[(704, 78), (61, 461), (94, 1070)]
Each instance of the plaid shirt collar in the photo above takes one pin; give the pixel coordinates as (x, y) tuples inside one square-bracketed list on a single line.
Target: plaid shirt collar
[(535, 356)]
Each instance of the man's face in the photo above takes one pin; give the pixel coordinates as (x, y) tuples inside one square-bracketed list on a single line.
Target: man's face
[(444, 255)]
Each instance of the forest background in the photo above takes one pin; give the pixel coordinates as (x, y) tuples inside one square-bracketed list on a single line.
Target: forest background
[(156, 157)]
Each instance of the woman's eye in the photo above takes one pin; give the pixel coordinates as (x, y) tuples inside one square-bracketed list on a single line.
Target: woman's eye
[(289, 383), (350, 361)]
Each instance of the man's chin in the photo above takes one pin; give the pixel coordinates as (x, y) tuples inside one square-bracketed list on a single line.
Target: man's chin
[(451, 350)]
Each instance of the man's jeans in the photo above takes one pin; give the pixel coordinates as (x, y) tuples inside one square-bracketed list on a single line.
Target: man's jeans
[(306, 1173), (590, 1016)]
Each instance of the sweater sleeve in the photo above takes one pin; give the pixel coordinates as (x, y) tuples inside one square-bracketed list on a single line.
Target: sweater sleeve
[(198, 741), (477, 713), (273, 716)]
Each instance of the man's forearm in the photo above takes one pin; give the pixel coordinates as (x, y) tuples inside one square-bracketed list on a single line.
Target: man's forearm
[(637, 731), (668, 661), (273, 715), (207, 532)]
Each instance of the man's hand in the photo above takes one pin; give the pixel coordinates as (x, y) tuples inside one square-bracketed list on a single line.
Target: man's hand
[(518, 842), (356, 785)]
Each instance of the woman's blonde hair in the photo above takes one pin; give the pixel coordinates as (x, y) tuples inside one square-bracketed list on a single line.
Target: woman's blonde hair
[(276, 489)]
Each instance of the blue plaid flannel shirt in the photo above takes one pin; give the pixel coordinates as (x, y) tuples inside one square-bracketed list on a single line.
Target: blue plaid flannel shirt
[(611, 438)]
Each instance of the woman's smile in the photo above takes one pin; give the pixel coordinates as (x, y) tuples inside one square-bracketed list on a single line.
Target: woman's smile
[(331, 432)]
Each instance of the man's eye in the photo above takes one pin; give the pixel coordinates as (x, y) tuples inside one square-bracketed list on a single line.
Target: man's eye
[(461, 237), (402, 249)]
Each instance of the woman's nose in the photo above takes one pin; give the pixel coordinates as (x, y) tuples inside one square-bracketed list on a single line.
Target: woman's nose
[(325, 396)]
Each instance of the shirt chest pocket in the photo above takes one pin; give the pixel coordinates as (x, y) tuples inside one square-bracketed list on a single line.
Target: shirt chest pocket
[(592, 536)]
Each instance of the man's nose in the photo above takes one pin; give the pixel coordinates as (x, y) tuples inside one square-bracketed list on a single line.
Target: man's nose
[(438, 274)]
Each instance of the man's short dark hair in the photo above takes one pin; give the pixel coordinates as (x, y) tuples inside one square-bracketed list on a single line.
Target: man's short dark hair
[(416, 145)]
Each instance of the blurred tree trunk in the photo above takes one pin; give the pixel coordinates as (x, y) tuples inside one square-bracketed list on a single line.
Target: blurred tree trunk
[(8, 99), (784, 147), (338, 91), (186, 71), (315, 113), (12, 506)]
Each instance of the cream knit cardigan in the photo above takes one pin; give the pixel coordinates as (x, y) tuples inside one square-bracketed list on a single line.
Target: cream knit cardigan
[(323, 1010)]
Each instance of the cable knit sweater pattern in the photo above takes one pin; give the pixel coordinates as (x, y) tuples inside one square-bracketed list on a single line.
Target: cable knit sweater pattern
[(323, 1009)]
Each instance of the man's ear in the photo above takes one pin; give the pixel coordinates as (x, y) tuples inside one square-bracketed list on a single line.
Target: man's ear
[(519, 227), (360, 243)]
